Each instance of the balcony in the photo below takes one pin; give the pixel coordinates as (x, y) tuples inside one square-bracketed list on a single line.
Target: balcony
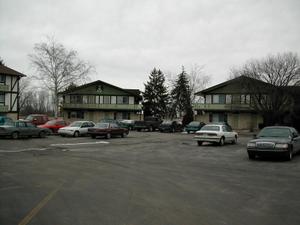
[(133, 107), (223, 107), (4, 87), (3, 108)]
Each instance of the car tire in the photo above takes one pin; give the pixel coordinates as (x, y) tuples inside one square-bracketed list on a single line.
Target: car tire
[(222, 141), (199, 143), (124, 134), (15, 135), (251, 155), (234, 140), (188, 132), (93, 136), (289, 155), (76, 134), (108, 136), (150, 129), (42, 134)]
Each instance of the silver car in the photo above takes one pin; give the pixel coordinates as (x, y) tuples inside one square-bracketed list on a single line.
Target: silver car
[(76, 129)]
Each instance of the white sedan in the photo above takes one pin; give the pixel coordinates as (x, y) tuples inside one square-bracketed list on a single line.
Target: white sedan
[(75, 129), (216, 133)]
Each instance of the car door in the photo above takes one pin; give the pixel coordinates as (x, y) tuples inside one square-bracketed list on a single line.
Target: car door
[(229, 136), (22, 129), (84, 128), (115, 129), (296, 139)]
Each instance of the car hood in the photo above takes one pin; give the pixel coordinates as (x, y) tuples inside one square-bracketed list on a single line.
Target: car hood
[(69, 128), (274, 140)]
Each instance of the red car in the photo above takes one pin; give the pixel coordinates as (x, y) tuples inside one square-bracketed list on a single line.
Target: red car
[(54, 125), (107, 130)]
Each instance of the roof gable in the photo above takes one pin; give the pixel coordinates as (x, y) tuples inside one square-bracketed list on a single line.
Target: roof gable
[(4, 70), (102, 88), (232, 86)]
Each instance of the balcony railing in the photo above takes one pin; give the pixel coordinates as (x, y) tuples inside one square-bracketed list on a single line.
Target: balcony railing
[(102, 106), (220, 107), (4, 87), (3, 108)]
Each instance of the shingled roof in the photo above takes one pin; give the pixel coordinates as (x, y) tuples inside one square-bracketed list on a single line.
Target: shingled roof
[(4, 70)]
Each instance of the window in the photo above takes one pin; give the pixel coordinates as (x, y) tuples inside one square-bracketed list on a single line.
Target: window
[(245, 99), (208, 99), (2, 79), (122, 100), (113, 100), (106, 99), (236, 99), (217, 117), (76, 99), (2, 98), (228, 99), (91, 99), (76, 115), (215, 99)]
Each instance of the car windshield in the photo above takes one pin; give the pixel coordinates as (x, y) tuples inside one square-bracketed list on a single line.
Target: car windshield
[(102, 125), (274, 132), (166, 122), (210, 128), (194, 123), (127, 121), (76, 124), (29, 117)]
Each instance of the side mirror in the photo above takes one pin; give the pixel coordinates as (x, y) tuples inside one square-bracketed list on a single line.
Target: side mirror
[(254, 136)]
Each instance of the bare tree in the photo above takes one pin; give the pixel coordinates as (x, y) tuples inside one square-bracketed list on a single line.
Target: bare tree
[(269, 82), (58, 67), (198, 81)]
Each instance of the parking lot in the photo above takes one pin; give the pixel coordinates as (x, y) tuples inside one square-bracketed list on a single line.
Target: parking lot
[(146, 178)]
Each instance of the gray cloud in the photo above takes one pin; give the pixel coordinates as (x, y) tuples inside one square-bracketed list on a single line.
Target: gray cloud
[(126, 39)]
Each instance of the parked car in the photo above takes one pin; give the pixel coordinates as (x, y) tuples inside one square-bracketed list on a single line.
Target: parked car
[(107, 130), (275, 140), (129, 124), (170, 126), (54, 125), (216, 133), (4, 120), (76, 129), (149, 123), (193, 126), (37, 119), (22, 129)]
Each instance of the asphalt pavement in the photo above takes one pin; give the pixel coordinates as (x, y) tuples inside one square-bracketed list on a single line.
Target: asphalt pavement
[(147, 178)]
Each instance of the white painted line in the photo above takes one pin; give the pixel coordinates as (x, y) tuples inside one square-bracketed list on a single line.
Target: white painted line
[(82, 143), (24, 150)]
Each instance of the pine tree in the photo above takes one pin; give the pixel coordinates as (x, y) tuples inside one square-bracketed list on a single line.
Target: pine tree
[(181, 96), (156, 96)]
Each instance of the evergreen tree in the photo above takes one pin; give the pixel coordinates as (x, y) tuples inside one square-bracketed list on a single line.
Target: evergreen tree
[(156, 96), (181, 96)]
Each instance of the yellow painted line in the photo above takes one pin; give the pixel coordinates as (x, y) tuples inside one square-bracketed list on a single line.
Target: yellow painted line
[(38, 207)]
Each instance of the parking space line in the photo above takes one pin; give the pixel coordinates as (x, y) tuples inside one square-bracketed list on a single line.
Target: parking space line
[(82, 143), (39, 206)]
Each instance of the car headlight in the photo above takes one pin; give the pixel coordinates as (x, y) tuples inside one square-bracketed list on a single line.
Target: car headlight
[(281, 145), (251, 145)]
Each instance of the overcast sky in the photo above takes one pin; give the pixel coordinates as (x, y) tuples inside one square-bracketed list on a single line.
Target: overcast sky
[(126, 39)]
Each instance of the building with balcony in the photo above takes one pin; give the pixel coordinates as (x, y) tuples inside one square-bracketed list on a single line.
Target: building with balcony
[(99, 100), (9, 92), (228, 102)]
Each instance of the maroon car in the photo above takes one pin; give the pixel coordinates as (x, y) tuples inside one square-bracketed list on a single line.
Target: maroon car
[(107, 129)]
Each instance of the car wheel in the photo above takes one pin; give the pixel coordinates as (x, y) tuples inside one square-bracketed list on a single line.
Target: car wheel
[(150, 129), (15, 135), (124, 134), (222, 141), (93, 136), (108, 136), (188, 131), (42, 134), (76, 134), (173, 130), (234, 141), (289, 155), (138, 130), (199, 143), (251, 155)]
